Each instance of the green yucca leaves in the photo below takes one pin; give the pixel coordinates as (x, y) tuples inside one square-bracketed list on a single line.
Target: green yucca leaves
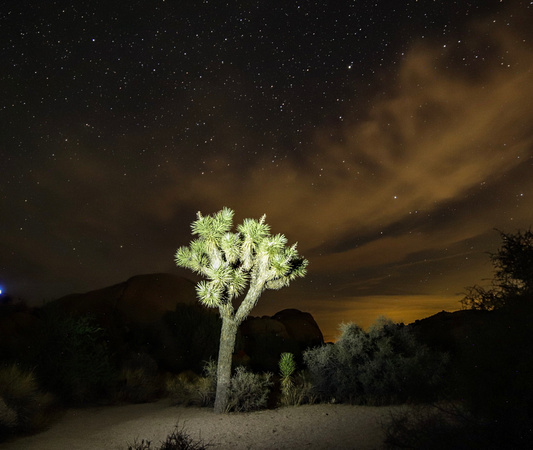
[(230, 260)]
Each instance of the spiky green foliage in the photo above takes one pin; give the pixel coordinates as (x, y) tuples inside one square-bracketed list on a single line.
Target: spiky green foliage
[(231, 262), (287, 366)]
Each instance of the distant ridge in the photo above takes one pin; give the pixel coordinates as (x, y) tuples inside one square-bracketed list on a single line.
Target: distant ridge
[(449, 331), (140, 299)]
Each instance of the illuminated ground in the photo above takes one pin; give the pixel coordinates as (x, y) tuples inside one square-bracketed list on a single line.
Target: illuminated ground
[(309, 426)]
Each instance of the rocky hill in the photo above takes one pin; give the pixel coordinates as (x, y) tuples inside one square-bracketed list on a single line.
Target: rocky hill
[(158, 315)]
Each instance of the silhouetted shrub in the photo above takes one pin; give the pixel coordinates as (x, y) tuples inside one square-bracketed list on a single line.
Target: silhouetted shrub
[(384, 365), (8, 419), (139, 379), (248, 391), (493, 375), (513, 274), (450, 426), (177, 440), (71, 357), (187, 388), (23, 407), (192, 334), (428, 427)]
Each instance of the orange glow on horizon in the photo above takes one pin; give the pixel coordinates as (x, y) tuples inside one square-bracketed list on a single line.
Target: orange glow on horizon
[(365, 310)]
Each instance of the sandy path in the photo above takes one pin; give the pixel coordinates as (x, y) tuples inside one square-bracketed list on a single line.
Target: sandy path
[(303, 427)]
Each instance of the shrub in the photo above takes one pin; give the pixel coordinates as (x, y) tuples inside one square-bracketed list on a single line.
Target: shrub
[(187, 388), (71, 357), (139, 379), (23, 407), (8, 419), (193, 334), (303, 390), (177, 440), (493, 374), (248, 391), (449, 426), (384, 365)]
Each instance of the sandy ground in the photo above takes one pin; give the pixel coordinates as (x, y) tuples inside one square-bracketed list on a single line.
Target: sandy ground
[(304, 427)]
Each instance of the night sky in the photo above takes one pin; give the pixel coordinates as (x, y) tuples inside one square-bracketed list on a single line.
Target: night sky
[(389, 138)]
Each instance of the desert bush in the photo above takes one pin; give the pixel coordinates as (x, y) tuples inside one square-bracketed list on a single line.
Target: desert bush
[(382, 366), (188, 388), (193, 334), (302, 391), (71, 358), (23, 407), (248, 391), (8, 418), (177, 440), (425, 427), (139, 379), (446, 426), (493, 374)]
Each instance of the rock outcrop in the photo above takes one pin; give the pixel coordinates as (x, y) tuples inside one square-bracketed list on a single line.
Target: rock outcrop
[(300, 326), (265, 338), (142, 299), (159, 315)]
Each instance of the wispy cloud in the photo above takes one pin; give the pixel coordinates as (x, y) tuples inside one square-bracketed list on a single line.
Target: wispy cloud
[(413, 184)]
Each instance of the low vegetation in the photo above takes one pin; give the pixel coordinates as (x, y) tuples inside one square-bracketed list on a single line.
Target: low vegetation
[(71, 358), (482, 390), (491, 378), (187, 388), (248, 391), (382, 366), (177, 440), (24, 408), (295, 389)]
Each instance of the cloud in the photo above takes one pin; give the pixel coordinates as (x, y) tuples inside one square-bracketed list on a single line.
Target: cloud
[(440, 135), (421, 174)]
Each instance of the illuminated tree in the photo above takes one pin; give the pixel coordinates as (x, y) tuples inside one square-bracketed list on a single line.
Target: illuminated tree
[(230, 262), (513, 274)]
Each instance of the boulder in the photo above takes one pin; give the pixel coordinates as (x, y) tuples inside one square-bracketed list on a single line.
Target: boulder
[(254, 327), (265, 338), (301, 327)]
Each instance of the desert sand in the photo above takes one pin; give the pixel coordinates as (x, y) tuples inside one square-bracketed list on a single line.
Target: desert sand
[(321, 426)]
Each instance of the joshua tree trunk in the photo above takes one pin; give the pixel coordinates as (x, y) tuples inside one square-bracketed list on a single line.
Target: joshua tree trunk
[(230, 261), (225, 352)]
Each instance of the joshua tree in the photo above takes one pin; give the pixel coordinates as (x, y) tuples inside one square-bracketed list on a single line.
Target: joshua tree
[(231, 262)]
